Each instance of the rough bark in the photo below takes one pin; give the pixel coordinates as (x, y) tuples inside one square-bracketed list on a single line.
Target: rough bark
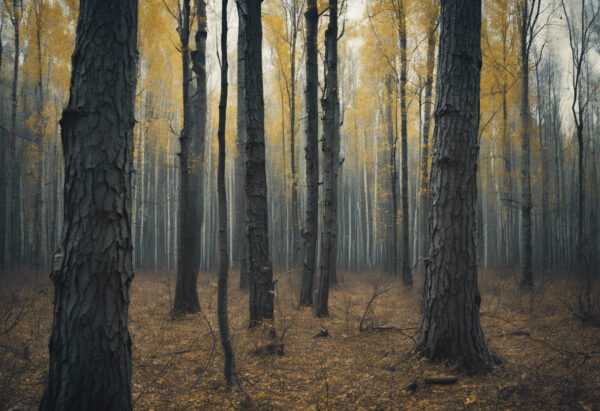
[(189, 231), (241, 147), (451, 329), (406, 272), (90, 346), (311, 154), (257, 252), (224, 332), (330, 147)]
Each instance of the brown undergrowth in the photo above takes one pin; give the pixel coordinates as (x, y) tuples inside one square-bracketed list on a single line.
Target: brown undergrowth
[(552, 361)]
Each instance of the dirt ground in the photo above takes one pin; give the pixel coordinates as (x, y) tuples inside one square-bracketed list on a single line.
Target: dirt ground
[(551, 359)]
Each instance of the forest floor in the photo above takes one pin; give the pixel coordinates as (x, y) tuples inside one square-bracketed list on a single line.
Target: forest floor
[(551, 360)]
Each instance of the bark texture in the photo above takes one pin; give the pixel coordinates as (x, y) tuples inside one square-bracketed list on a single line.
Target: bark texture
[(224, 332), (90, 346), (451, 329), (241, 147), (311, 154), (189, 226), (257, 253), (331, 148)]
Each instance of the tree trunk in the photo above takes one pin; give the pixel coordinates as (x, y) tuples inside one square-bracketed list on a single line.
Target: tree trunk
[(392, 141), (424, 189), (451, 329), (90, 346), (224, 333), (406, 274), (241, 144), (526, 274), (330, 147), (189, 231), (311, 154), (14, 166), (296, 223), (257, 253)]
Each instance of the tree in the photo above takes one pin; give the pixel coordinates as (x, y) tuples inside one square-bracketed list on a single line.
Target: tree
[(580, 43), (257, 247), (90, 346), (311, 154), (528, 28), (12, 235), (241, 147), (189, 217), (450, 329), (431, 17), (225, 334), (330, 146), (406, 274)]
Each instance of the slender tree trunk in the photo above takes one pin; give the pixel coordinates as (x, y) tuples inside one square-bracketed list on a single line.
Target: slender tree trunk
[(527, 273), (311, 154), (189, 229), (5, 147), (330, 147), (90, 346), (451, 329), (37, 252), (257, 253), (225, 334), (14, 166), (424, 189), (406, 272), (241, 199), (392, 141), (296, 222)]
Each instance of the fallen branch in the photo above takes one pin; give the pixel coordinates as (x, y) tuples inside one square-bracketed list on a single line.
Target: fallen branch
[(441, 380)]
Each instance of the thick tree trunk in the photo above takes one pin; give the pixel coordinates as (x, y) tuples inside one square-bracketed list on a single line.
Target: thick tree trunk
[(527, 273), (330, 147), (224, 332), (406, 272), (257, 253), (451, 329), (90, 346), (189, 229), (241, 147), (311, 154)]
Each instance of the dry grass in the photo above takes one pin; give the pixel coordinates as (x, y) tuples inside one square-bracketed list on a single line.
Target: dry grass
[(552, 361)]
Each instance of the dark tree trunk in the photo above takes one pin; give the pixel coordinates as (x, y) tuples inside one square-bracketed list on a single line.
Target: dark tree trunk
[(424, 189), (527, 273), (330, 147), (296, 222), (90, 346), (451, 329), (241, 147), (189, 231), (406, 272), (200, 108), (5, 146), (392, 140), (224, 333), (311, 154), (13, 200), (257, 253)]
